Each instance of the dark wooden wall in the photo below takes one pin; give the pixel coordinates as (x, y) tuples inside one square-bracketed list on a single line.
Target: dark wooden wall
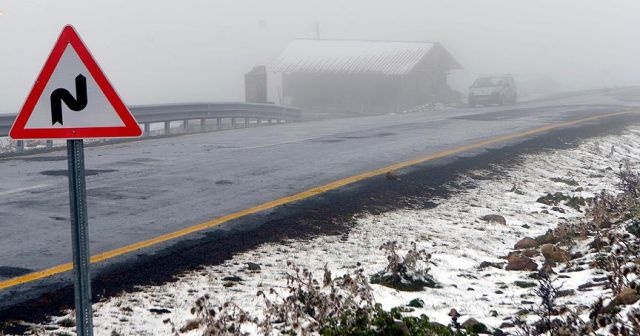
[(323, 95)]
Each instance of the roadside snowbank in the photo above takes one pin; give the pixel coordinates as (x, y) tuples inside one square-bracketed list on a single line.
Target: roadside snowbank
[(452, 232)]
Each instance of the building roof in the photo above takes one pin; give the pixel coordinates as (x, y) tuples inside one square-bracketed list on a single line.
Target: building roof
[(355, 56)]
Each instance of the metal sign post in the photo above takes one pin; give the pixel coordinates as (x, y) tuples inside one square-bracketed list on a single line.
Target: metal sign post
[(80, 237)]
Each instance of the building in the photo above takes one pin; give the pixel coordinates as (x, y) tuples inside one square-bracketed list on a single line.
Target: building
[(255, 85), (329, 78)]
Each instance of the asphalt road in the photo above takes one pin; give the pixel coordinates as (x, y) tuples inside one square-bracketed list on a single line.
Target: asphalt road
[(139, 190)]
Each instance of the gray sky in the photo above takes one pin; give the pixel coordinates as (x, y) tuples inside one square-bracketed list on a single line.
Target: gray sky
[(170, 51)]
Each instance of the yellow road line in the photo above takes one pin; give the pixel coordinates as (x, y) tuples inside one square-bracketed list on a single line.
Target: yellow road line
[(293, 198)]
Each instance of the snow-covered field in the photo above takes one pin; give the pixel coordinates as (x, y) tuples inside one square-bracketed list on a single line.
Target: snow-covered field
[(452, 232)]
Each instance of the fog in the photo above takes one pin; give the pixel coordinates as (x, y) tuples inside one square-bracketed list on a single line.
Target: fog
[(176, 51)]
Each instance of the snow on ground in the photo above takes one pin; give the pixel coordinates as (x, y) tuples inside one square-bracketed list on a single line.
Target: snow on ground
[(452, 232), (5, 145)]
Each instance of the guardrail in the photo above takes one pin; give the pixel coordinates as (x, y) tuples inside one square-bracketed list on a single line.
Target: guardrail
[(238, 115)]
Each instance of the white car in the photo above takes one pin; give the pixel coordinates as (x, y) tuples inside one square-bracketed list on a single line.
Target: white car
[(489, 90)]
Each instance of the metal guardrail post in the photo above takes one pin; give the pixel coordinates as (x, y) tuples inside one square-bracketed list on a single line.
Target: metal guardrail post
[(49, 144), (218, 123), (203, 125), (246, 122), (19, 145), (147, 129), (167, 127), (233, 122), (185, 124)]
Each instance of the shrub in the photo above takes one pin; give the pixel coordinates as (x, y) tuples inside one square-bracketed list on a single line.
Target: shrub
[(226, 320), (620, 261), (565, 324), (408, 273), (339, 306), (345, 301)]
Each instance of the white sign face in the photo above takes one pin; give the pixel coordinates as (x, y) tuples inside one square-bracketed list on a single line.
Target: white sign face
[(72, 99), (52, 110)]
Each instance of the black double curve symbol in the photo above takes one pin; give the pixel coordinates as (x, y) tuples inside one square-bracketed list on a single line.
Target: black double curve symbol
[(59, 96)]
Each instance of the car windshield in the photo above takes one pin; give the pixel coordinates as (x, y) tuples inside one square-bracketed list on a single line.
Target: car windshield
[(488, 82)]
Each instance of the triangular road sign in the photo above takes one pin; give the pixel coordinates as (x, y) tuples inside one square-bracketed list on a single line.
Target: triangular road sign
[(73, 99)]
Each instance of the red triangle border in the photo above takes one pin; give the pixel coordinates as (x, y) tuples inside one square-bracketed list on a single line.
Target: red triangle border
[(70, 36)]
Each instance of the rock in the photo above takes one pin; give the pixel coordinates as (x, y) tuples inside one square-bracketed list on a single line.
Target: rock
[(565, 292), (474, 326), (627, 296), (534, 275), (160, 311), (416, 303), (526, 226), (453, 313), (524, 284), (467, 276), (547, 238), (511, 254), (519, 263), (233, 278), (587, 286), (550, 199), (554, 253), (507, 325), (404, 282), (558, 209), (486, 264), (253, 266), (526, 242), (494, 218), (530, 253)]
